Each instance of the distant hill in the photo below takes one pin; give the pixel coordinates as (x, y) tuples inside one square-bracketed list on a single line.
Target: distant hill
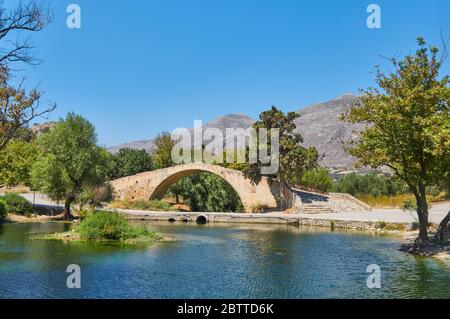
[(222, 122), (321, 127), (39, 128), (319, 124), (139, 145)]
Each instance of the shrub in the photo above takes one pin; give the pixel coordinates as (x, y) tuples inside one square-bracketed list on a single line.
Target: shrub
[(151, 204), (16, 204), (102, 225), (155, 204), (369, 184), (258, 208), (381, 224), (95, 196), (409, 205), (3, 212), (317, 179), (84, 213)]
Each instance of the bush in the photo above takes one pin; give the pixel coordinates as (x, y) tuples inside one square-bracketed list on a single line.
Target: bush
[(381, 224), (151, 205), (102, 225), (369, 184), (258, 208), (95, 196), (317, 179), (3, 212), (409, 205), (16, 204), (155, 204)]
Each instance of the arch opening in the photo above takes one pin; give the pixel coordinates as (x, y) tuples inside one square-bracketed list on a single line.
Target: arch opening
[(201, 191), (202, 219)]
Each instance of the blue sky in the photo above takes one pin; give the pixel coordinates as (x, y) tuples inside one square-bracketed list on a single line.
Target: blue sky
[(136, 68)]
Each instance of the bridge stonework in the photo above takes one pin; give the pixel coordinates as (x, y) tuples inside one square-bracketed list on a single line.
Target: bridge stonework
[(154, 184)]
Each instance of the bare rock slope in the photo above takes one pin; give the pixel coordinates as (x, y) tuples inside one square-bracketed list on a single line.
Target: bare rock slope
[(321, 127)]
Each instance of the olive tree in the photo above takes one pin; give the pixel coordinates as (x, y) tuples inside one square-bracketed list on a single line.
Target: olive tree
[(408, 124), (69, 161)]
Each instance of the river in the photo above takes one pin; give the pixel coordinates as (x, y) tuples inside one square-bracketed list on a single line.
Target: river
[(217, 261)]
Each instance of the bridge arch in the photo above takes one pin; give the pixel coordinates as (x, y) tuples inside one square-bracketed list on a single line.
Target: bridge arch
[(154, 185), (164, 186)]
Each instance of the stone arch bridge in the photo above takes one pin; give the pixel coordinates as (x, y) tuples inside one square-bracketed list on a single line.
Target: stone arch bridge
[(154, 184)]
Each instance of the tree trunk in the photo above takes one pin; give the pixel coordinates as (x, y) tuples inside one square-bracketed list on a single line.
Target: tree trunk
[(67, 214), (284, 196), (442, 232), (422, 213), (177, 198)]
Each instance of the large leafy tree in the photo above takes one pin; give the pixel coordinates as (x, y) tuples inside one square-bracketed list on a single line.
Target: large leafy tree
[(17, 106), (294, 159), (69, 161), (128, 162), (16, 160), (408, 118), (206, 192), (162, 152)]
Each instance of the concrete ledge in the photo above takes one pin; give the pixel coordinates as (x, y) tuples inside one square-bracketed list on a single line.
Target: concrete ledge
[(269, 218)]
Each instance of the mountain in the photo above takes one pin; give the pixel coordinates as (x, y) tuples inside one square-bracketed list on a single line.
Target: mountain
[(139, 145), (321, 127), (319, 124), (222, 123)]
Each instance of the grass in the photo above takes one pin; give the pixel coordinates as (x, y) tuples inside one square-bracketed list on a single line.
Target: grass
[(382, 225), (156, 205), (107, 226), (395, 201)]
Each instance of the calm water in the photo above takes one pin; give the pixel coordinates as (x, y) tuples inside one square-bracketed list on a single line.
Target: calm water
[(206, 261)]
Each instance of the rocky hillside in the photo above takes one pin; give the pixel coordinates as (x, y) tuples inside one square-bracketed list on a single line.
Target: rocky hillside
[(319, 124), (39, 128), (321, 127)]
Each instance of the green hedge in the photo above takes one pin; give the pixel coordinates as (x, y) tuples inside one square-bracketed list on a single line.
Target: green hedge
[(16, 204)]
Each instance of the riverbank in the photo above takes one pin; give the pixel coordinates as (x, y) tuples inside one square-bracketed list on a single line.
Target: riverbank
[(430, 249), (72, 236), (12, 218), (392, 221)]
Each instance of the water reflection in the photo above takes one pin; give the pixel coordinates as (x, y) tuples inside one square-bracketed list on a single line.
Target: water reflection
[(215, 261)]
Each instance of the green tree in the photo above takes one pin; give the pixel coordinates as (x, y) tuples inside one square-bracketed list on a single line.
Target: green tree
[(16, 160), (69, 161), (128, 162), (162, 152), (206, 192), (317, 179), (294, 159), (408, 119)]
